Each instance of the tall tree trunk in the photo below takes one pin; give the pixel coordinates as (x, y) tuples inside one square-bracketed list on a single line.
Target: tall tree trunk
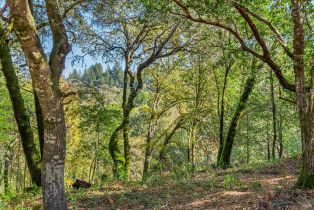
[(20, 113), (280, 136), (224, 160), (274, 114), (126, 143), (306, 111), (148, 148), (306, 177), (46, 77), (116, 154), (247, 140), (192, 145), (222, 113), (121, 163), (127, 150), (268, 142)]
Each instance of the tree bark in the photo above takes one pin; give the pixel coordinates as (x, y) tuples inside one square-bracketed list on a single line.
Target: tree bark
[(45, 77), (116, 155), (247, 140), (148, 146), (40, 124), (274, 114), (191, 149), (127, 150), (306, 177), (222, 113), (268, 142), (121, 166), (20, 113), (280, 136), (153, 121), (224, 160), (126, 142)]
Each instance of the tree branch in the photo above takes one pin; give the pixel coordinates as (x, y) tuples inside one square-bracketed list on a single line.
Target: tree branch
[(61, 46)]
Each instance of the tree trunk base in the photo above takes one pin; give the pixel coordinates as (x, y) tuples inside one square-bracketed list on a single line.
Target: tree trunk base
[(306, 180)]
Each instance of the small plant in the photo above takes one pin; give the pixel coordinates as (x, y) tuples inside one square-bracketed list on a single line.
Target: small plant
[(255, 185), (229, 181)]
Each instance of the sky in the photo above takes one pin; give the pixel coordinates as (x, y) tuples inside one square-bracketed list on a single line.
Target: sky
[(81, 65)]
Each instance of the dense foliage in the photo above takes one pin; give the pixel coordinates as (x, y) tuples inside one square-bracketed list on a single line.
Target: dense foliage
[(176, 87)]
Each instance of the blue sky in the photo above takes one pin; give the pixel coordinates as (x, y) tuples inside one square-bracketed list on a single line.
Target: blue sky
[(88, 61)]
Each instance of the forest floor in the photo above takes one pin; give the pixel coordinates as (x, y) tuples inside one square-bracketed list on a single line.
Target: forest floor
[(265, 187)]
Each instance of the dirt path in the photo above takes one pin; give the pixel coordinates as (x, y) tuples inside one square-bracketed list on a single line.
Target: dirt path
[(270, 187)]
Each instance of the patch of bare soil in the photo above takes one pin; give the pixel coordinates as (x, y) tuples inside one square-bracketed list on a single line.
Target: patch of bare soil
[(271, 187)]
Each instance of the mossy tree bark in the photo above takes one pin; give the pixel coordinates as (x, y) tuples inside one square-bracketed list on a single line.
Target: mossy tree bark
[(306, 177), (221, 110), (121, 167), (20, 113), (224, 160), (306, 107), (45, 77), (116, 154)]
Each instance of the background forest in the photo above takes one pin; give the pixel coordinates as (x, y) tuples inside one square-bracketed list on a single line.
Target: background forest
[(151, 90)]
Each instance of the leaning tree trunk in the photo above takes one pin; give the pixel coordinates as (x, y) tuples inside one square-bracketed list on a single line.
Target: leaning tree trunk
[(162, 151), (20, 113), (45, 78), (224, 160)]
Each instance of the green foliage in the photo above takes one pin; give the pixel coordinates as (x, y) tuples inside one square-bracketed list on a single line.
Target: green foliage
[(175, 121), (230, 180), (96, 76)]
